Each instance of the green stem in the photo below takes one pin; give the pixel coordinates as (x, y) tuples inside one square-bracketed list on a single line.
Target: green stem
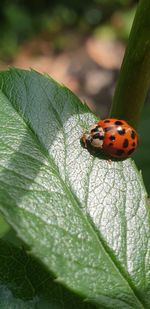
[(134, 78)]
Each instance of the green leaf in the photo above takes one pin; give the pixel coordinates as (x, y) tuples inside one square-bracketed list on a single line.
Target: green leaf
[(142, 155), (4, 227), (25, 283), (85, 218)]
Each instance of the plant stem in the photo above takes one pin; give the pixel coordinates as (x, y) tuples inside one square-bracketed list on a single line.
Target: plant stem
[(134, 78)]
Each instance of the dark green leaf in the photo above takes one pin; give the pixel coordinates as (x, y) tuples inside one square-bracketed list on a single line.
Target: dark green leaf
[(4, 227), (142, 155), (49, 184), (24, 283)]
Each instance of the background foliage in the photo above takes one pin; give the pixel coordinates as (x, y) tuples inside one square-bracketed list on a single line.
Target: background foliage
[(20, 20)]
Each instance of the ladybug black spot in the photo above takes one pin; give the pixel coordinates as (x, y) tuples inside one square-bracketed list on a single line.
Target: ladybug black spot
[(98, 136), (112, 138), (107, 121), (133, 134), (118, 123), (108, 129), (95, 129), (130, 151), (119, 152), (121, 131), (125, 143)]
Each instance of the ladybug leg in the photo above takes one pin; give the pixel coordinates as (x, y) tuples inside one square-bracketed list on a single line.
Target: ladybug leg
[(110, 161), (83, 140)]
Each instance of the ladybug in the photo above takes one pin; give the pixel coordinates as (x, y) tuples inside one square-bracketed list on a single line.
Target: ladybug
[(114, 137)]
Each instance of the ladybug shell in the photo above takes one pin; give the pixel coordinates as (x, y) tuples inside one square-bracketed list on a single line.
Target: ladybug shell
[(120, 139)]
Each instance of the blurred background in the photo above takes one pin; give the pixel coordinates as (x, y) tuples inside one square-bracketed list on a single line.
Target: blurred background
[(80, 44)]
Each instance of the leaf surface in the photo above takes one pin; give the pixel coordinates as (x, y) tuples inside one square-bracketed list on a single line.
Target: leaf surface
[(25, 283), (85, 218)]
